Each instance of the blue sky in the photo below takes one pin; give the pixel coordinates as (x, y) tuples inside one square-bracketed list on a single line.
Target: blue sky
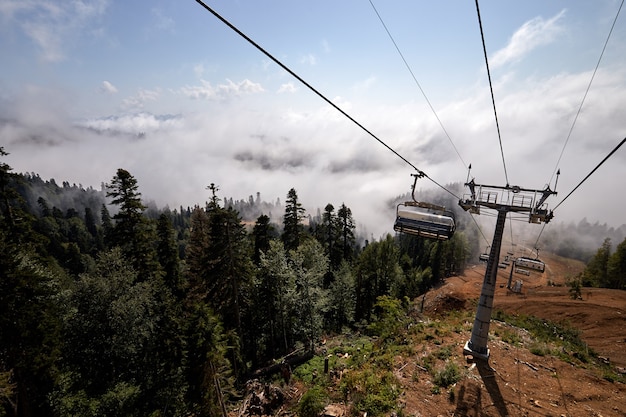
[(168, 92)]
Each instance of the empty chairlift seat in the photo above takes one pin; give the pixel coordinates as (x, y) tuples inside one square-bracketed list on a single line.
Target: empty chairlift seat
[(429, 223), (529, 263)]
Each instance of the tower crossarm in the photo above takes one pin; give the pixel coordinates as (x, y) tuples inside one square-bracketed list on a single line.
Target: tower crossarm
[(509, 198)]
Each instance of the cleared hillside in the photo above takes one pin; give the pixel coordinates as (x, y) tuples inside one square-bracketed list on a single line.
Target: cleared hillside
[(525, 376)]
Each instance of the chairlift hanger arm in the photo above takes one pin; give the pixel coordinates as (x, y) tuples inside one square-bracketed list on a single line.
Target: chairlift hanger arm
[(415, 203)]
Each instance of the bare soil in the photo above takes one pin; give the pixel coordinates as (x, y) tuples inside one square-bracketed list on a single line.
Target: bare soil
[(514, 382)]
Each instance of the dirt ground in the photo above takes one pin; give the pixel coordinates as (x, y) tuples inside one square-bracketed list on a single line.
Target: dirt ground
[(516, 382)]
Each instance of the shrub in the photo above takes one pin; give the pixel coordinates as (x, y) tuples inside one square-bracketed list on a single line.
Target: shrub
[(312, 402), (447, 376)]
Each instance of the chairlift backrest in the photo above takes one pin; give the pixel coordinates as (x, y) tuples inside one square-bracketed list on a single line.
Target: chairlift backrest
[(534, 264), (430, 223)]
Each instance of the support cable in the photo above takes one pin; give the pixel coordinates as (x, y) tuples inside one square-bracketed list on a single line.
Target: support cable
[(592, 171), (408, 67), (480, 230), (310, 87), (586, 92), (296, 76), (581, 183), (493, 100)]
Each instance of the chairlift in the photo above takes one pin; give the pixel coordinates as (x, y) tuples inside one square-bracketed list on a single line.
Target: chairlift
[(529, 263), (483, 257), (424, 219)]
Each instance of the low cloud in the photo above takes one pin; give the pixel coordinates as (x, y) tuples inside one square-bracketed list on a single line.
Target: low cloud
[(246, 148)]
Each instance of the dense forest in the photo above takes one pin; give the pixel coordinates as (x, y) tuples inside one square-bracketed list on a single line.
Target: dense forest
[(113, 307)]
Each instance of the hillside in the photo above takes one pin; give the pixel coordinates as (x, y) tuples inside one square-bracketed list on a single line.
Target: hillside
[(525, 376)]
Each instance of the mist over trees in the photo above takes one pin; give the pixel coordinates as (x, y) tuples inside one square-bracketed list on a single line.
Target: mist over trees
[(111, 306)]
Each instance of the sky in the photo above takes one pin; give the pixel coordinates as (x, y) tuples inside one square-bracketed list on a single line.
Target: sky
[(167, 91)]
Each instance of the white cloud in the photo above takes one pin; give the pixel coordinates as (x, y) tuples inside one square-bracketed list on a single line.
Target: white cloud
[(532, 34), (245, 148), (206, 91), (308, 59), (287, 88), (53, 26), (108, 88), (138, 100), (133, 124)]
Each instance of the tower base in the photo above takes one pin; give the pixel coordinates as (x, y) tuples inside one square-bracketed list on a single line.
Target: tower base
[(467, 350)]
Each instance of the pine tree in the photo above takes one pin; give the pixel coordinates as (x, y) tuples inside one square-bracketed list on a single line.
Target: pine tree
[(262, 232), (275, 297), (122, 354), (292, 221), (167, 254), (378, 273), (197, 253), (132, 232), (107, 227), (346, 232), (342, 298), (29, 308), (311, 299)]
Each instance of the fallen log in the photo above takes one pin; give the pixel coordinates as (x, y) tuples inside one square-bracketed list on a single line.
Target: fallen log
[(285, 365)]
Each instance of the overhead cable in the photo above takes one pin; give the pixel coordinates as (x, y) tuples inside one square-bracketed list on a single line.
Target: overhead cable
[(310, 87), (417, 83), (586, 92), (592, 171), (493, 100)]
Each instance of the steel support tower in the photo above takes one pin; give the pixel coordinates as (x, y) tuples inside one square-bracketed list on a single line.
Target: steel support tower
[(504, 200)]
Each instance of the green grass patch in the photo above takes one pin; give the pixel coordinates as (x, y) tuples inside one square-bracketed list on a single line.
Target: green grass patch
[(571, 347)]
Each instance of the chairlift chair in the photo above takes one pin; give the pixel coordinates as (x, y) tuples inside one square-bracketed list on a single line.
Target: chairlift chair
[(529, 263), (424, 219), (425, 222)]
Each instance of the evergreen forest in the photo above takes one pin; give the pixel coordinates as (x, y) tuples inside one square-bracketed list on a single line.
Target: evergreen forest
[(111, 306)]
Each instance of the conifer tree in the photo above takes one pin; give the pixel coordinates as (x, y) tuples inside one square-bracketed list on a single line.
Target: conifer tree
[(132, 231), (378, 273), (197, 253), (346, 232), (107, 226), (342, 298), (311, 299), (29, 308), (121, 353), (262, 234), (275, 297), (167, 254), (292, 221)]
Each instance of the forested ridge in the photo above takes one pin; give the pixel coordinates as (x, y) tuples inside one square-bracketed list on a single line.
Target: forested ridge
[(111, 306)]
